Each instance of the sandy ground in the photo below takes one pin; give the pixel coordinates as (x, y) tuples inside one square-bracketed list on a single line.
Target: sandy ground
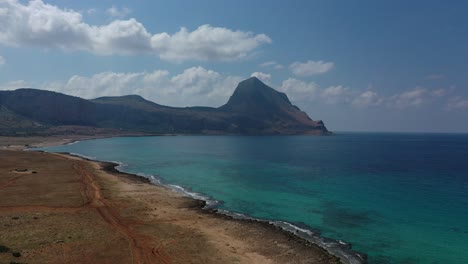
[(62, 209)]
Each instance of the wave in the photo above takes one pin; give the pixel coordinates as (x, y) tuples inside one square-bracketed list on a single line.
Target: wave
[(210, 203), (82, 156), (337, 248)]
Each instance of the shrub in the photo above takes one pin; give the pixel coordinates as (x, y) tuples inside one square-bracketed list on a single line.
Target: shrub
[(4, 249)]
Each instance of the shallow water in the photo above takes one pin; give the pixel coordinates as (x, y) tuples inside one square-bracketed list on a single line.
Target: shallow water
[(400, 198)]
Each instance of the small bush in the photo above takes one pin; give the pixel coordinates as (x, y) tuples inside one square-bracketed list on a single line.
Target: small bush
[(4, 249)]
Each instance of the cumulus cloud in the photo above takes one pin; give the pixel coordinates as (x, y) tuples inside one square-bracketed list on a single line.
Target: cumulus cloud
[(91, 11), (206, 43), (272, 64), (264, 77), (194, 86), (457, 103), (439, 92), (299, 91), (336, 94), (310, 68), (118, 12), (2, 60), (415, 97), (310, 92), (368, 98), (44, 25)]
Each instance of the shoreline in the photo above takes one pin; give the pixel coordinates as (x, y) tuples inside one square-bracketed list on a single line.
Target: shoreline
[(304, 235), (337, 248)]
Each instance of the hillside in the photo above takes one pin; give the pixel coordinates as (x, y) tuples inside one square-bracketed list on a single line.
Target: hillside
[(253, 109)]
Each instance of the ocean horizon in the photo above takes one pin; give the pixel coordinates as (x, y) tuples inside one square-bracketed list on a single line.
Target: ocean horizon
[(397, 197)]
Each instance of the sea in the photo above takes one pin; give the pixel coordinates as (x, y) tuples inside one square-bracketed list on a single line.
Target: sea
[(395, 197)]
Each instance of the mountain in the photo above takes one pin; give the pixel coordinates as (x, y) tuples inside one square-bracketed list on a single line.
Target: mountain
[(253, 109), (262, 103)]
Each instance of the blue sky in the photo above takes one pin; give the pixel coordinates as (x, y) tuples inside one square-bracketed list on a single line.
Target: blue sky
[(357, 65)]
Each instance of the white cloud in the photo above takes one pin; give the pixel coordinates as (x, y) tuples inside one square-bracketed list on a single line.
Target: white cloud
[(206, 43), (13, 85), (310, 68), (120, 37), (118, 12), (306, 92), (336, 94), (272, 64), (414, 97), (194, 86), (264, 77), (368, 98), (457, 103), (299, 91), (91, 11), (2, 60), (43, 25), (439, 92)]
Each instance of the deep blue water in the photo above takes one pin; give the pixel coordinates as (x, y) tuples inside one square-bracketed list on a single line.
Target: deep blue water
[(400, 198)]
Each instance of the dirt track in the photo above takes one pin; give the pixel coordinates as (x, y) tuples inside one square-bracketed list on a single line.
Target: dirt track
[(25, 195), (142, 252)]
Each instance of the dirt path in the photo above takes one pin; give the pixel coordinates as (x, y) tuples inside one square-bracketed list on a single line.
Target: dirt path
[(10, 182), (141, 247), (142, 251)]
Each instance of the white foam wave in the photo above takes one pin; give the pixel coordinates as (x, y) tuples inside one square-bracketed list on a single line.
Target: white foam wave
[(83, 156), (73, 142), (210, 203), (338, 248)]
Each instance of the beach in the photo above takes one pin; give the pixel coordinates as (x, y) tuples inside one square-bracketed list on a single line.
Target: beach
[(58, 208)]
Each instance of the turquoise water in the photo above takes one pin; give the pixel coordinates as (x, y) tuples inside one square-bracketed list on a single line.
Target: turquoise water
[(399, 198)]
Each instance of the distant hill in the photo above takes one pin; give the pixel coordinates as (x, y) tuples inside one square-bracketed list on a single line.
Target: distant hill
[(49, 107), (253, 109)]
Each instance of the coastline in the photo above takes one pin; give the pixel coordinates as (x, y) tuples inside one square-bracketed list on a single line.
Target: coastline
[(293, 234), (304, 235), (200, 206), (206, 205)]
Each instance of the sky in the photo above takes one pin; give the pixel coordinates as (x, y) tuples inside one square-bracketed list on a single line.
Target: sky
[(395, 66)]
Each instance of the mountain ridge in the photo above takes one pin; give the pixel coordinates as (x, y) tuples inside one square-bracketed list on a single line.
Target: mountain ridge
[(253, 109)]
